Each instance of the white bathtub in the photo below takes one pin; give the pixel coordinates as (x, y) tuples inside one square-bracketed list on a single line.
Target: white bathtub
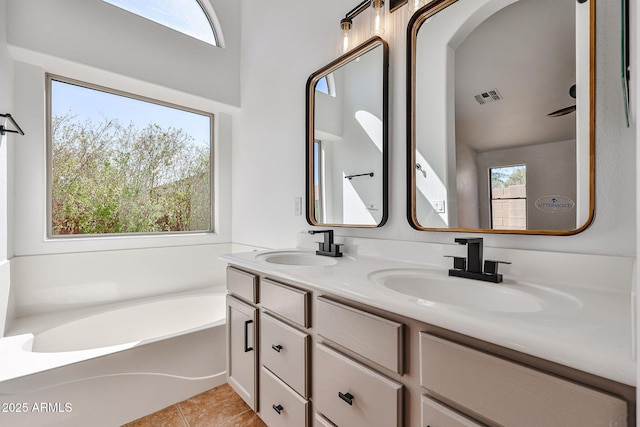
[(112, 364)]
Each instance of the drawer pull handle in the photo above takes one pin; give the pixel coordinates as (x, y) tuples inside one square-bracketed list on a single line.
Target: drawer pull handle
[(276, 347), (278, 408), (246, 336), (347, 397)]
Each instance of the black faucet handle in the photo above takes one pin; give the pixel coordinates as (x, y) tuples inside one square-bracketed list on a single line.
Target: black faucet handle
[(328, 239), (327, 247), (491, 266), (459, 263)]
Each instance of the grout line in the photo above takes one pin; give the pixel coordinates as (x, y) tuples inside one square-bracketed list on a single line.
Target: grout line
[(184, 419)]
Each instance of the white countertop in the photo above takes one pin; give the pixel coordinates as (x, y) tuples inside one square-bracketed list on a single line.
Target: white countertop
[(595, 334)]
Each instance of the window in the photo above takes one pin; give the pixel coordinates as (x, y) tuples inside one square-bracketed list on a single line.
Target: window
[(123, 164), (318, 181), (327, 85), (186, 16), (508, 197)]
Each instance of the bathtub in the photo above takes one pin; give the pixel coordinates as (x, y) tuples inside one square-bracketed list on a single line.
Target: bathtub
[(109, 365)]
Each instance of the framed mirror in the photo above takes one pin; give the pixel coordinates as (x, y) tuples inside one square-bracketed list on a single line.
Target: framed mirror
[(346, 145), (500, 128)]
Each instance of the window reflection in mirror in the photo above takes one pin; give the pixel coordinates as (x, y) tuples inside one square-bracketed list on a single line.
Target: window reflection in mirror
[(347, 139), (499, 83)]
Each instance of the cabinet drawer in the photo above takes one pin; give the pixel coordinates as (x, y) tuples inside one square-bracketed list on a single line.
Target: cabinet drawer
[(511, 394), (321, 421), (284, 350), (286, 301), (435, 414), (244, 285), (281, 406), (373, 337), (350, 394)]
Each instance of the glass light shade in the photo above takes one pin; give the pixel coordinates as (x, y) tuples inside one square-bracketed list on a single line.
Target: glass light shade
[(377, 17), (345, 27), (414, 5)]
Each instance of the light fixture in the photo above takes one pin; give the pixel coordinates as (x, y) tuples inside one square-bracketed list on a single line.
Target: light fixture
[(345, 26), (377, 20), (377, 17)]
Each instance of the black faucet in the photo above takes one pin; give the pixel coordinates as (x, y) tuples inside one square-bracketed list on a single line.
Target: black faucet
[(472, 266), (327, 248)]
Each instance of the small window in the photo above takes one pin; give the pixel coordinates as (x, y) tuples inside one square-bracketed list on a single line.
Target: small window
[(326, 85), (185, 16), (508, 197), (122, 164)]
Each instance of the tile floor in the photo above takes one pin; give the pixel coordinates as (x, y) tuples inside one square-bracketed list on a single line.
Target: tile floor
[(218, 407)]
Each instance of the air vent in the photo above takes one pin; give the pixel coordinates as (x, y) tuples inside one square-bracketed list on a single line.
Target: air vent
[(488, 96)]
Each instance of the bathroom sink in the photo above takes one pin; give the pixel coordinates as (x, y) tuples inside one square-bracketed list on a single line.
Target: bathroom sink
[(437, 287), (300, 258)]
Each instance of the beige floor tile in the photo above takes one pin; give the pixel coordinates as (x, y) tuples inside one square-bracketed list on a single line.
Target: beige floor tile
[(246, 419), (213, 407), (168, 417)]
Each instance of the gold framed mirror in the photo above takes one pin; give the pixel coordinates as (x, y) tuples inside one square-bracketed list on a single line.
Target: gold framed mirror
[(347, 139), (500, 127)]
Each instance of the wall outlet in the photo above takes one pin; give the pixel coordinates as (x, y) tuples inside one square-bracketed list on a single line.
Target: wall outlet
[(298, 206)]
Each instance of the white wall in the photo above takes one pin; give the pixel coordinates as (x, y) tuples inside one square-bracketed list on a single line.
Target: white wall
[(551, 171), (6, 106), (95, 33), (60, 282), (269, 155)]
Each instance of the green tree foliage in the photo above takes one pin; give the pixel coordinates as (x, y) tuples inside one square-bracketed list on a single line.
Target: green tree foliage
[(110, 178), (508, 176)]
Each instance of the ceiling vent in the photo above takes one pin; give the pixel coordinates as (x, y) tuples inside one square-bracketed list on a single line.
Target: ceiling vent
[(488, 96)]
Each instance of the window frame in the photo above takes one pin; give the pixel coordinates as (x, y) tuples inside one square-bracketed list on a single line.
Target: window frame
[(49, 77)]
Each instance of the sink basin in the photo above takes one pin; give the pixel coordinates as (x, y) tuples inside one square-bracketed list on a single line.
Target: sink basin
[(432, 286), (299, 258)]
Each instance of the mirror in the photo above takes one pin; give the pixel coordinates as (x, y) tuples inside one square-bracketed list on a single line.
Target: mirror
[(501, 116), (347, 139)]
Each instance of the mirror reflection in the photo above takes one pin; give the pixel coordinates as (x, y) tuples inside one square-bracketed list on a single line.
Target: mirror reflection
[(347, 139), (501, 116)]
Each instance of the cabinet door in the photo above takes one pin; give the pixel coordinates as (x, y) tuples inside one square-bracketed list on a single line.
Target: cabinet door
[(242, 357)]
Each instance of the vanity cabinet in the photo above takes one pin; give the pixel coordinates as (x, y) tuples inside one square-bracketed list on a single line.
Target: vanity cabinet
[(502, 392), (301, 357)]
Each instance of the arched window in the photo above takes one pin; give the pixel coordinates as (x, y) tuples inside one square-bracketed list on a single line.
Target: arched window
[(186, 16), (327, 85)]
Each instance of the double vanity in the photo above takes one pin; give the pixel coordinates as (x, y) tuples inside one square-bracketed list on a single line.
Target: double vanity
[(374, 338)]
